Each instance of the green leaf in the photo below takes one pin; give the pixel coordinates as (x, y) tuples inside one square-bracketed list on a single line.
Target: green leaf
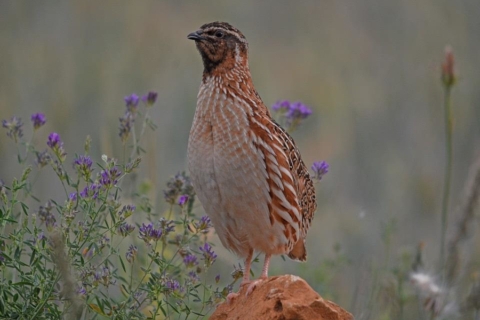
[(125, 291), (18, 253), (163, 310), (172, 306), (2, 306), (123, 265), (19, 186), (100, 304), (32, 257), (22, 283), (96, 309), (24, 208), (107, 303)]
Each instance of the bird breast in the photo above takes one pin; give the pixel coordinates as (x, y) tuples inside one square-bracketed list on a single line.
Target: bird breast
[(229, 173)]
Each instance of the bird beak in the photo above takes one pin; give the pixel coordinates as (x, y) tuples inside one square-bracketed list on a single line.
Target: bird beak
[(197, 35)]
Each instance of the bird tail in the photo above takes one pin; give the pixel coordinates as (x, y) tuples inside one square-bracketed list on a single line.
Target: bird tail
[(299, 252)]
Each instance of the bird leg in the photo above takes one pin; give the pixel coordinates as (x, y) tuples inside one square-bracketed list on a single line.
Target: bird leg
[(246, 271), (263, 276), (266, 264), (246, 276)]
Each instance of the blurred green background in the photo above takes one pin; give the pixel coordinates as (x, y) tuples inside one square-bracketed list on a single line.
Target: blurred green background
[(369, 69)]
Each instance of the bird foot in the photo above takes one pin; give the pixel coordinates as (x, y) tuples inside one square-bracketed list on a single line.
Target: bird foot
[(231, 297), (254, 284)]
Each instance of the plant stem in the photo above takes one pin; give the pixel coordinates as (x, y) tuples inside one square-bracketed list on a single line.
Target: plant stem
[(447, 174), (39, 308)]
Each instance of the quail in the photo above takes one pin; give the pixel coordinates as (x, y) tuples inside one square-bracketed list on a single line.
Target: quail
[(245, 168)]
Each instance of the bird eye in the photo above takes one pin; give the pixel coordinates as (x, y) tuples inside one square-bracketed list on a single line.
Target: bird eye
[(219, 34)]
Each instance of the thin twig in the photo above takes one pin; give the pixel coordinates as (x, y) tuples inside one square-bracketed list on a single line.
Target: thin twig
[(466, 213), (447, 174)]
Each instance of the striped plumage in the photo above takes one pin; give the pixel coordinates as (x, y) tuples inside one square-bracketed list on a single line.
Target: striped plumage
[(246, 169)]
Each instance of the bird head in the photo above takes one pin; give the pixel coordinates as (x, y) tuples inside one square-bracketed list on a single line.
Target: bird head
[(221, 46)]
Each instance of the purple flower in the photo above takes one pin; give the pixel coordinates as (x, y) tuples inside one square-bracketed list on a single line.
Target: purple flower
[(166, 226), (97, 276), (125, 229), (148, 233), (84, 192), (90, 191), (203, 224), (131, 253), (83, 165), (217, 278), (38, 120), (103, 242), (103, 276), (132, 165), (72, 197), (81, 291), (291, 113), (54, 140), (109, 177), (46, 215), (126, 124), (127, 211), (106, 271), (14, 128), (298, 111), (182, 200), (83, 162), (208, 255), (43, 158), (193, 276), (179, 185), (320, 168), (281, 106), (56, 144), (172, 286), (150, 98), (41, 238), (132, 102), (190, 260)]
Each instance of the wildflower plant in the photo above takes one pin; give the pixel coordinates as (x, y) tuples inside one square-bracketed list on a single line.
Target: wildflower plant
[(449, 78), (14, 128), (291, 114), (93, 252), (319, 168)]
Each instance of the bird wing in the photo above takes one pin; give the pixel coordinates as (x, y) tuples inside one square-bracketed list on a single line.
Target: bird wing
[(291, 190)]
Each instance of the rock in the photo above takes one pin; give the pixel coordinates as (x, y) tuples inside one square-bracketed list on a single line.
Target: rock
[(285, 297)]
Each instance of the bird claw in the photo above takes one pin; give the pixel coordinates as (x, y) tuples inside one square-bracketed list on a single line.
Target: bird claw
[(253, 285), (231, 297)]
